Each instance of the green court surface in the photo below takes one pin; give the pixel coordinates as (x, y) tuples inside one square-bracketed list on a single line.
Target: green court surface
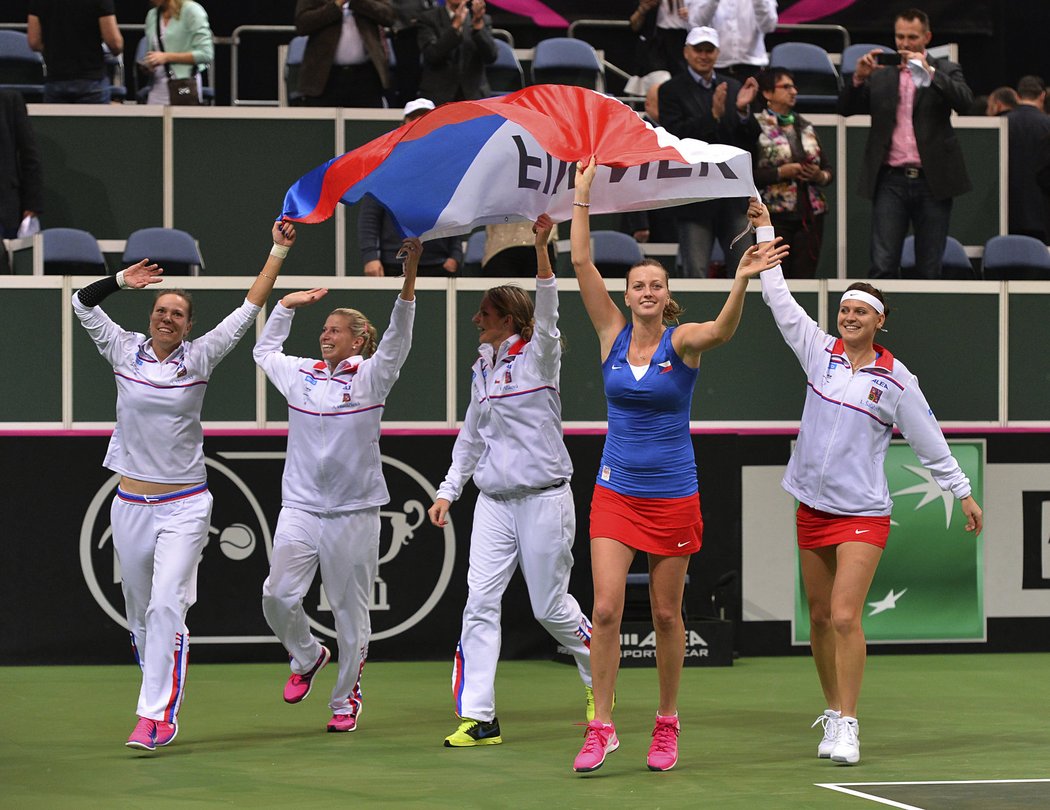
[(745, 742)]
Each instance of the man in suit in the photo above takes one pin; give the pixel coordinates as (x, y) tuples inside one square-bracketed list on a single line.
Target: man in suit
[(456, 43), (345, 64), (21, 186), (708, 106), (1029, 127), (913, 166)]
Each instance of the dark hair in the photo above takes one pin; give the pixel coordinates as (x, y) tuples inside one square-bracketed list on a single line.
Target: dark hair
[(914, 14), (672, 309), (768, 78), (863, 286), (509, 299), (1005, 96), (1030, 87), (183, 294)]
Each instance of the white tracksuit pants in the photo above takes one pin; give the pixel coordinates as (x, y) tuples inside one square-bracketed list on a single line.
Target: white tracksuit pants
[(535, 531), (158, 546), (346, 546)]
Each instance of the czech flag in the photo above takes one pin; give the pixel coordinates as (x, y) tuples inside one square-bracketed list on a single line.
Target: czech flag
[(510, 159)]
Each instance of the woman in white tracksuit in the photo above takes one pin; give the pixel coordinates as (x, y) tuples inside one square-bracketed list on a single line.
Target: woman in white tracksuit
[(333, 483), (511, 442), (162, 510), (856, 392)]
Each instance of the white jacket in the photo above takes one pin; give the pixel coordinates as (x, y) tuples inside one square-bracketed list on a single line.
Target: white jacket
[(511, 440), (838, 462), (742, 26), (333, 462)]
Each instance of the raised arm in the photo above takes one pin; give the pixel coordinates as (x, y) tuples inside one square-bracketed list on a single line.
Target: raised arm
[(692, 339), (606, 317), (283, 238)]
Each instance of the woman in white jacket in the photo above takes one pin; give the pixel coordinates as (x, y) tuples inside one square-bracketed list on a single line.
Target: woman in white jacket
[(333, 483), (511, 442), (856, 392)]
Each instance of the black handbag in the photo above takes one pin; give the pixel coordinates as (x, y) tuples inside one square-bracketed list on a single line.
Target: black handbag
[(181, 92)]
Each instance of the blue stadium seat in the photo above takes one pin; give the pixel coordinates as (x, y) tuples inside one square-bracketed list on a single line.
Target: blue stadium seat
[(563, 60), (174, 250), (505, 75), (293, 61), (815, 75), (615, 253), (1016, 258), (955, 264), (21, 68), (69, 251)]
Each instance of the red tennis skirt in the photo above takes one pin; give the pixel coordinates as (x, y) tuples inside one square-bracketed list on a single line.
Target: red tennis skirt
[(816, 529), (670, 527)]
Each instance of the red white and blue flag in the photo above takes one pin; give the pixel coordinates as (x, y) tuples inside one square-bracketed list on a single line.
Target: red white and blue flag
[(508, 159)]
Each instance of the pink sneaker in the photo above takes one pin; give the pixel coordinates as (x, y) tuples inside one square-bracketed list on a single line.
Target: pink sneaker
[(663, 752), (144, 736), (298, 686), (344, 722), (599, 739), (165, 732)]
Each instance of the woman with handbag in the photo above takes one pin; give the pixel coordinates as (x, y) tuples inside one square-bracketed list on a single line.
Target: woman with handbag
[(179, 47)]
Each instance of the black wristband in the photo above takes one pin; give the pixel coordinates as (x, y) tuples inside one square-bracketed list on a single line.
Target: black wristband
[(93, 294)]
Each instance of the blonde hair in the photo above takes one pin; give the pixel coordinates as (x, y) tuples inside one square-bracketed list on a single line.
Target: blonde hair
[(174, 5), (672, 309), (514, 301), (360, 326)]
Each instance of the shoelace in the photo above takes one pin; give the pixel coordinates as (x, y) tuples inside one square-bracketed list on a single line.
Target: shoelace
[(665, 736), (848, 733), (594, 739), (823, 720)]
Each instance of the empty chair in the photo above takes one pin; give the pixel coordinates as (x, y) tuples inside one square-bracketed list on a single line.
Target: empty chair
[(292, 63), (1016, 258), (21, 68), (955, 264), (815, 76), (69, 251), (174, 250), (615, 253), (505, 74), (854, 52), (563, 60)]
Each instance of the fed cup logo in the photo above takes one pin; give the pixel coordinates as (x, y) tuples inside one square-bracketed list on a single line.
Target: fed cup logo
[(415, 558)]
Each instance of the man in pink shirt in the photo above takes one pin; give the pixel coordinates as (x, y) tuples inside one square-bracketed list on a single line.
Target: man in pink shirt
[(913, 166)]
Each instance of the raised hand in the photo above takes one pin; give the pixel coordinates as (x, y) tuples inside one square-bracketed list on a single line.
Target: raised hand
[(284, 233), (142, 274), (761, 257), (304, 298), (757, 213), (542, 227)]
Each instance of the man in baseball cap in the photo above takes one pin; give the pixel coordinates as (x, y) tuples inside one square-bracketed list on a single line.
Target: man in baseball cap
[(700, 35), (416, 108)]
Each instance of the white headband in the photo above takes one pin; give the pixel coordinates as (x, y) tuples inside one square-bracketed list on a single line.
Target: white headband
[(867, 298)]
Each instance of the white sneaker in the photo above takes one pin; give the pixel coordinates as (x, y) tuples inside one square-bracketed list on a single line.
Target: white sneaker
[(830, 722), (847, 743)]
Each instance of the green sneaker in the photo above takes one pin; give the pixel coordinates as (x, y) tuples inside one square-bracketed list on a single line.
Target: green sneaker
[(474, 732)]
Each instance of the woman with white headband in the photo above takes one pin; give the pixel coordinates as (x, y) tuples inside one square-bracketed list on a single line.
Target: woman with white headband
[(856, 392)]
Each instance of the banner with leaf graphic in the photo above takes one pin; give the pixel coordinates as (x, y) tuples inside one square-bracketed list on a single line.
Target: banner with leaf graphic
[(928, 586)]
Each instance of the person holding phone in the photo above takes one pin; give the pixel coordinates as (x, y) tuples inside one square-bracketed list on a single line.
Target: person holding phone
[(790, 168), (913, 166)]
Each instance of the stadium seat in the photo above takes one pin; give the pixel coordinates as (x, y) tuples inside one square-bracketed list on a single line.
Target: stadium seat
[(174, 250), (854, 52), (815, 76), (293, 61), (563, 60), (615, 253), (69, 251), (1016, 258), (955, 264), (505, 75), (21, 68)]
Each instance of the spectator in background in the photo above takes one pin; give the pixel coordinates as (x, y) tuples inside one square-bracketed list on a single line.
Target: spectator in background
[(703, 104), (661, 26), (657, 225), (456, 43), (22, 193), (510, 250), (404, 42), (381, 243), (742, 26), (1029, 160), (790, 168), (345, 64), (1000, 100), (180, 45), (913, 165), (70, 34)]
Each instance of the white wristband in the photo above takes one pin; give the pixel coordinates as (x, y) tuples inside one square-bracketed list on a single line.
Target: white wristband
[(120, 280), (280, 251), (764, 233)]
